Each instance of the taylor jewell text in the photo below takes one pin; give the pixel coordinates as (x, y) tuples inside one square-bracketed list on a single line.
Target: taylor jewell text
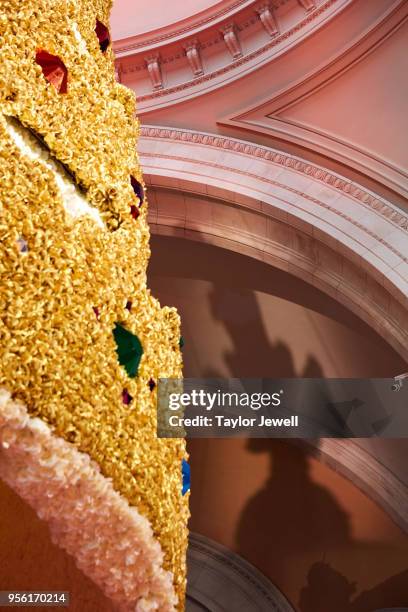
[(219, 420), (221, 400)]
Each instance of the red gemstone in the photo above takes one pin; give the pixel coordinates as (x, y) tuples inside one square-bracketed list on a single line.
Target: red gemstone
[(128, 305), (138, 189), (54, 70), (103, 35), (126, 397), (134, 211), (96, 311), (151, 384)]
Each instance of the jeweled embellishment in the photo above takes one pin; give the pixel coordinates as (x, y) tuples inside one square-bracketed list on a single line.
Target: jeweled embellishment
[(134, 211), (138, 189), (126, 397), (185, 470), (90, 133), (103, 35), (54, 70), (129, 349), (151, 384), (22, 245)]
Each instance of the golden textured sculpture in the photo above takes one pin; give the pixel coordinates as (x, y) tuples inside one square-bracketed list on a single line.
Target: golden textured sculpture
[(74, 251)]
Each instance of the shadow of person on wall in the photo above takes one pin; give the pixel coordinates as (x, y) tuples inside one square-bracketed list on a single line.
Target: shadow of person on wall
[(291, 519), (290, 516), (327, 589), (252, 354)]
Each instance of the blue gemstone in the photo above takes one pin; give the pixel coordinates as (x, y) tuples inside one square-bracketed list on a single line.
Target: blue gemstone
[(185, 470)]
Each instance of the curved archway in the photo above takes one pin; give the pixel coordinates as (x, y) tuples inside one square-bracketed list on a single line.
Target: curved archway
[(282, 210), (303, 220), (213, 349)]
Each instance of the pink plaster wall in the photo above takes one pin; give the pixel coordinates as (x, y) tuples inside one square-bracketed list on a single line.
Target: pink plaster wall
[(365, 106), (286, 512), (243, 318), (132, 17), (274, 503)]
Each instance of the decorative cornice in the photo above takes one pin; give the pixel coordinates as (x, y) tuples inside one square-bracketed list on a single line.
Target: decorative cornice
[(231, 40), (278, 39), (303, 195), (153, 67), (373, 201), (192, 50), (121, 47), (309, 5), (265, 12), (271, 115)]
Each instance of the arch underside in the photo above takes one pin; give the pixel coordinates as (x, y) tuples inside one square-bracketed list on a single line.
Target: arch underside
[(304, 220), (331, 232)]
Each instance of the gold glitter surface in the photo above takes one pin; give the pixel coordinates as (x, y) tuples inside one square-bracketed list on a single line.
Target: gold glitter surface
[(56, 355)]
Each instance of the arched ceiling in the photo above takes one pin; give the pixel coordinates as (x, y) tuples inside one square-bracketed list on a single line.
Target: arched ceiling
[(133, 17), (323, 83), (281, 135), (293, 215), (296, 106)]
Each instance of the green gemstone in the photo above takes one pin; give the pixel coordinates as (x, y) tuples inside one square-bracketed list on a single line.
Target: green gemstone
[(181, 342), (129, 349)]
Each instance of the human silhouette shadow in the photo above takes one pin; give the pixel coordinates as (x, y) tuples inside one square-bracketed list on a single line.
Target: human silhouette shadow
[(328, 589), (229, 271), (291, 515), (252, 355)]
